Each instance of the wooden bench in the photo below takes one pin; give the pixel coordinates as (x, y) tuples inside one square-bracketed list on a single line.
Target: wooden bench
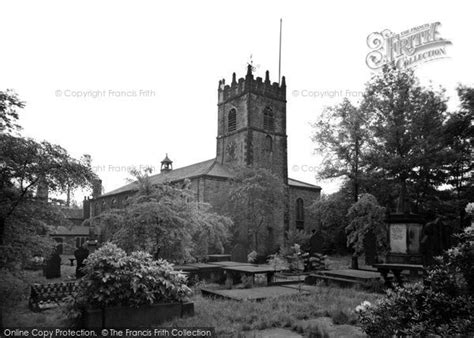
[(385, 268), (44, 296)]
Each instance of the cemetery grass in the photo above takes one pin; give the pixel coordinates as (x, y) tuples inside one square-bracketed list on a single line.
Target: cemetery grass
[(230, 317), (20, 315)]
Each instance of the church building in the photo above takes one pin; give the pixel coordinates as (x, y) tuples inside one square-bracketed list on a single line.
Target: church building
[(251, 131)]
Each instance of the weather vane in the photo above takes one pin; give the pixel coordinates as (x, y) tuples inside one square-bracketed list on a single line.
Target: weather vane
[(250, 63)]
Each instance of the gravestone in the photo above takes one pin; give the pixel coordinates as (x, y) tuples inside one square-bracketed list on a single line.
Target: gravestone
[(91, 245), (404, 237), (316, 243), (370, 248), (81, 255), (52, 267), (398, 238)]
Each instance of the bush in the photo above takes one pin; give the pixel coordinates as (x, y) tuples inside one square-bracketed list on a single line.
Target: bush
[(366, 216), (278, 261), (297, 237), (442, 305), (113, 278), (331, 211), (13, 288)]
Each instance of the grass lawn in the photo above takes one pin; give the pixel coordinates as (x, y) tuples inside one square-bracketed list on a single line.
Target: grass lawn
[(20, 315), (232, 317)]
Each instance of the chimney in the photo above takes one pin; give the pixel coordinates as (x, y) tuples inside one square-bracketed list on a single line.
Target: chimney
[(86, 208), (96, 188)]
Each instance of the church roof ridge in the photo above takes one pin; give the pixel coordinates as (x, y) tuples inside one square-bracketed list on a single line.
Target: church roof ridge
[(209, 167), (192, 170)]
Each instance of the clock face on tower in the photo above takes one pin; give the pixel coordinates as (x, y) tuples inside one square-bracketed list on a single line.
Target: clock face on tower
[(230, 150)]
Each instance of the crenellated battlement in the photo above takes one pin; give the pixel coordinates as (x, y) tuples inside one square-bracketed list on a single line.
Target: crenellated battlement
[(249, 84)]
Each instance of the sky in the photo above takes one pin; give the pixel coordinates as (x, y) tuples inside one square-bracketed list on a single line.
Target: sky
[(129, 81)]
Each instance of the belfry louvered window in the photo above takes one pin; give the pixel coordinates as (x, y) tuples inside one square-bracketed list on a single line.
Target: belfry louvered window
[(232, 120), (268, 119)]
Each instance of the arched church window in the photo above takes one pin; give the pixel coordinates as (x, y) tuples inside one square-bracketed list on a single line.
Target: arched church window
[(232, 120), (268, 119), (268, 143), (299, 214)]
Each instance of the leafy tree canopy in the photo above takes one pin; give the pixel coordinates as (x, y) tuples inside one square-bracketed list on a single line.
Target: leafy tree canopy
[(164, 220), (28, 166), (366, 215)]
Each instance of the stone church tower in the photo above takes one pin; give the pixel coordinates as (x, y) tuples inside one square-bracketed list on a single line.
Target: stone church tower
[(252, 124)]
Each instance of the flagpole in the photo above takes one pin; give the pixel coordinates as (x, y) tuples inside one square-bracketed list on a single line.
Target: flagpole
[(279, 56)]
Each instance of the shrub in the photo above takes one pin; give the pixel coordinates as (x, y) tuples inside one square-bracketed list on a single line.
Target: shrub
[(277, 261), (251, 257), (13, 287), (113, 278), (366, 216), (442, 305), (297, 237), (292, 254), (331, 211)]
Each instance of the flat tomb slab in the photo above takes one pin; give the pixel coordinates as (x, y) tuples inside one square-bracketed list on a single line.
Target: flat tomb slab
[(204, 266), (399, 266), (252, 269), (230, 263), (253, 294), (361, 275)]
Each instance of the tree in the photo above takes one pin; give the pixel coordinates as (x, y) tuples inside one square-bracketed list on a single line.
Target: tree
[(26, 218), (26, 166), (458, 135), (331, 211), (365, 216), (165, 221), (406, 132), (341, 135), (9, 104), (255, 198)]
